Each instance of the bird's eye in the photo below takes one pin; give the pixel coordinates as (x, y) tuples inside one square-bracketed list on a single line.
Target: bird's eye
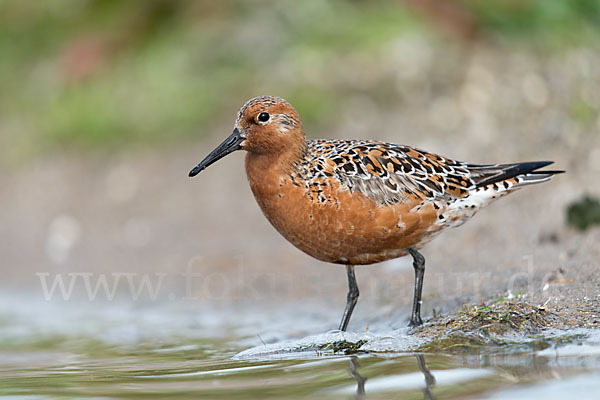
[(263, 117)]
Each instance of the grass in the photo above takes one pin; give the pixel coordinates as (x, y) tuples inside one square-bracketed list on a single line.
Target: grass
[(552, 24), (342, 346), (159, 73), (584, 213), (490, 327)]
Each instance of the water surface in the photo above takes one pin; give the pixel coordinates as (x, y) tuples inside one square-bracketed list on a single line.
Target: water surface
[(50, 350)]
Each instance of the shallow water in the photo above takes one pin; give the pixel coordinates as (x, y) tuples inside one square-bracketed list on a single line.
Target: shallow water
[(91, 350)]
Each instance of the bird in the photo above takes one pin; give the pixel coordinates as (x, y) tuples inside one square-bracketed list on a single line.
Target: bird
[(359, 202)]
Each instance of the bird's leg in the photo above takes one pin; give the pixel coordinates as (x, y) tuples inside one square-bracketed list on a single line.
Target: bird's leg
[(419, 266), (351, 299)]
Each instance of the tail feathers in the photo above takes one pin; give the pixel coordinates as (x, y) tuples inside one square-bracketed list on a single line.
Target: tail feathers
[(527, 172), (537, 177), (493, 182)]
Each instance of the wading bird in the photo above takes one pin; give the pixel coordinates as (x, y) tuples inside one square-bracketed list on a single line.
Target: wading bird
[(358, 202)]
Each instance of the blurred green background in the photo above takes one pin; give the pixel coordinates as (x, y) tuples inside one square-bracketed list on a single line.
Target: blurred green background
[(99, 74)]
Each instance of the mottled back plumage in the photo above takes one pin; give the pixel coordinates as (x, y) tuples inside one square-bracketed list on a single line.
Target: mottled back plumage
[(389, 174)]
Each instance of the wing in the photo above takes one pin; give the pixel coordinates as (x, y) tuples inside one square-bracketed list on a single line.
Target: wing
[(389, 173)]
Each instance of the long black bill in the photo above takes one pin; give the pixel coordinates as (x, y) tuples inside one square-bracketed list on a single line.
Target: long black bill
[(229, 145)]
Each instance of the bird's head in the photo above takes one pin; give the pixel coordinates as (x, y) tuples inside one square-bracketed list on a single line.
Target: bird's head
[(264, 125)]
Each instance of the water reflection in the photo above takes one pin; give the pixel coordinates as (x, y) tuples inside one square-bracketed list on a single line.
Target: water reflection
[(429, 378), (361, 380)]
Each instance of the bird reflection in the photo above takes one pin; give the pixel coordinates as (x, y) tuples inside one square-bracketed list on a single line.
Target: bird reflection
[(429, 378), (360, 380)]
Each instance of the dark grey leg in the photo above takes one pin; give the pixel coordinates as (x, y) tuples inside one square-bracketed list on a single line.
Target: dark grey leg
[(351, 299), (419, 266)]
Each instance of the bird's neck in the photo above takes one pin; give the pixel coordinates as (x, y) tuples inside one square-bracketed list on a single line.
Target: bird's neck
[(266, 171)]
